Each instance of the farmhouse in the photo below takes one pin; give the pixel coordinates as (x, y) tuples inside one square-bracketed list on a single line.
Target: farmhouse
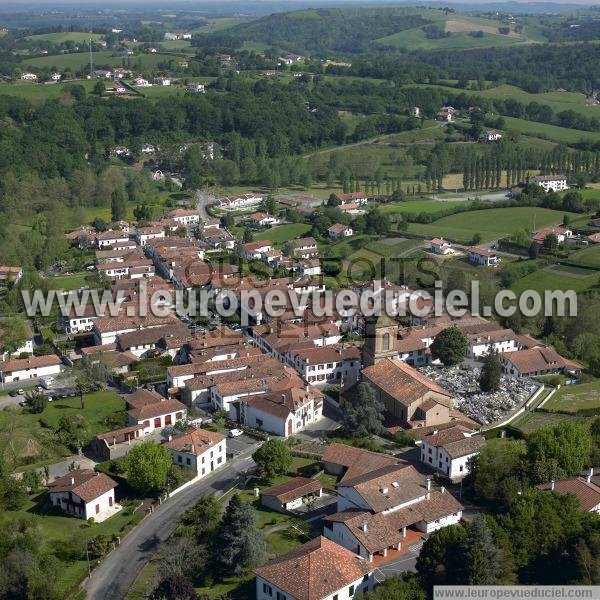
[(110, 238), (29, 77), (162, 81), (317, 570), (481, 256), (305, 247), (291, 493), (450, 450), (561, 233), (492, 136), (152, 411), (196, 88), (551, 183), (340, 231), (440, 246), (536, 361), (261, 219), (30, 368), (240, 202), (185, 216), (358, 198), (200, 450), (85, 494)]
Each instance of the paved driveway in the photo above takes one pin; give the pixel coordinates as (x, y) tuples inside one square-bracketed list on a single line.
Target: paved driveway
[(242, 443)]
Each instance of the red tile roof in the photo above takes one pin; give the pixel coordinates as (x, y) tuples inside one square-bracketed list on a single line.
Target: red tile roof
[(586, 492), (194, 441), (85, 483), (294, 488), (314, 570), (33, 362)]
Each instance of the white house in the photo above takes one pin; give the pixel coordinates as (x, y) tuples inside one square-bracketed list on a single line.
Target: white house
[(85, 494), (29, 368), (492, 136), (29, 77), (317, 570), (162, 81), (141, 82), (143, 234), (152, 411), (305, 247), (340, 231), (328, 364), (415, 111), (358, 198), (74, 323), (562, 234), (498, 340), (551, 183), (481, 256), (241, 201), (281, 413), (255, 250), (261, 219), (56, 76), (106, 239), (185, 216), (450, 450), (440, 246), (200, 450), (196, 88)]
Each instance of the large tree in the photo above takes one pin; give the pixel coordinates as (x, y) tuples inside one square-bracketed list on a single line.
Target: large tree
[(147, 467), (406, 586), (274, 457), (449, 346), (559, 450), (13, 335), (364, 415), (480, 557), (438, 562), (491, 373), (241, 545)]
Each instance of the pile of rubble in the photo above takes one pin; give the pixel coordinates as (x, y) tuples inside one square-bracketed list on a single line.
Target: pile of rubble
[(462, 382)]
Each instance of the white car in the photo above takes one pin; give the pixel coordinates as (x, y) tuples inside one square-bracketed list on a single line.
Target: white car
[(21, 392), (235, 433)]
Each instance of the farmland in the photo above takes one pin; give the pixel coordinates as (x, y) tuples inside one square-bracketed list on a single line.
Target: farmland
[(60, 37), (572, 398), (588, 257), (491, 224), (79, 61), (550, 132), (557, 277), (283, 233), (531, 421), (40, 92)]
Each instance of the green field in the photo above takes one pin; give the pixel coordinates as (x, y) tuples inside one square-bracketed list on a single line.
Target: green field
[(81, 60), (491, 224), (60, 37), (530, 421), (67, 282), (588, 257), (420, 206), (550, 132), (41, 92), (34, 444), (557, 277), (572, 398), (283, 233)]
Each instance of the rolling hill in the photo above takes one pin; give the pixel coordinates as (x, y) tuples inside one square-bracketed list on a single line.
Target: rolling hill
[(353, 30)]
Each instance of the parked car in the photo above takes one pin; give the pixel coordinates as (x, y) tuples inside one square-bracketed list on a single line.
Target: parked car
[(235, 433), (21, 392)]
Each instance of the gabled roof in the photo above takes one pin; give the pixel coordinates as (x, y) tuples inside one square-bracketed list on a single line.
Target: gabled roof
[(85, 483), (356, 460), (194, 441), (401, 381), (538, 359), (587, 493), (294, 488), (314, 570)]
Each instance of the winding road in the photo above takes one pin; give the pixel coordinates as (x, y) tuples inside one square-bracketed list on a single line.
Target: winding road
[(113, 578)]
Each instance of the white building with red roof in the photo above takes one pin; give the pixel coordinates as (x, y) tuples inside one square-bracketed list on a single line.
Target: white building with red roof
[(30, 368), (481, 256), (152, 411), (198, 449), (85, 494), (583, 488), (317, 570), (440, 246)]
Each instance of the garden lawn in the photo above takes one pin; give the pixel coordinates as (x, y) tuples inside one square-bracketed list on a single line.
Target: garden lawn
[(40, 91), (283, 233), (491, 224), (60, 37), (572, 398), (550, 132), (67, 282), (65, 537), (420, 206), (30, 440)]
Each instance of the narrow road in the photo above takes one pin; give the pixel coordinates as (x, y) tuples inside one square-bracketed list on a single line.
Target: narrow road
[(114, 577)]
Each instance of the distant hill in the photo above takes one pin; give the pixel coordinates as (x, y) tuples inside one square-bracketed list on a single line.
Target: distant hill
[(352, 30)]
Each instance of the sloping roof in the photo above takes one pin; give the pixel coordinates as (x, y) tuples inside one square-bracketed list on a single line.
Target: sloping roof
[(464, 447), (292, 489), (539, 359), (85, 483), (356, 460), (194, 441), (587, 493), (33, 362), (314, 570), (401, 381), (157, 409)]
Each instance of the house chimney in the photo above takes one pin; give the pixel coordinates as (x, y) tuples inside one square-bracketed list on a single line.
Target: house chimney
[(429, 483), (590, 475), (443, 490), (552, 485), (365, 525), (72, 480)]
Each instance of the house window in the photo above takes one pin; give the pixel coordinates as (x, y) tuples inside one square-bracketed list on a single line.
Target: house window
[(179, 458), (110, 501), (267, 589), (168, 420), (351, 591), (97, 508), (188, 461), (219, 460), (157, 422)]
